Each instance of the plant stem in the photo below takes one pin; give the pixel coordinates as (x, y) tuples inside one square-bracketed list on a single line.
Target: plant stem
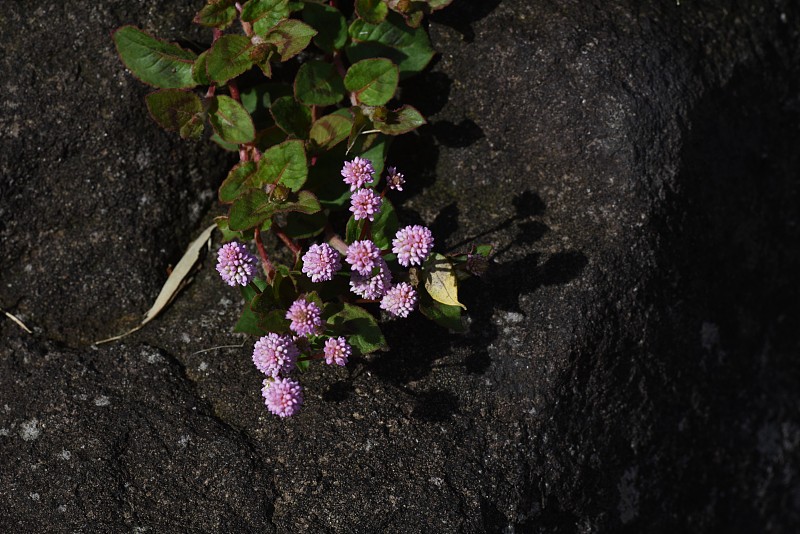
[(268, 268), (288, 241)]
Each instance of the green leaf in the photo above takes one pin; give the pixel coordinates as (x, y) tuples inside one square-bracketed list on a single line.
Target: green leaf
[(409, 48), (252, 290), (399, 121), (330, 130), (230, 147), (269, 137), (360, 328), (153, 61), (285, 164), (440, 280), (250, 210), (318, 83), (248, 323), (384, 227), (177, 111), (257, 100), (330, 25), (275, 321), (374, 81), (291, 116), (324, 179), (372, 147), (447, 316), (484, 250), (230, 120), (199, 70), (306, 203), (216, 14), (302, 226), (283, 287), (290, 37), (372, 11), (227, 233), (233, 186), (264, 14), (360, 123), (436, 5), (352, 231), (228, 58)]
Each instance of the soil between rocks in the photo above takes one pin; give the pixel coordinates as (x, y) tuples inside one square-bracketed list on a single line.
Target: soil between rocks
[(632, 358)]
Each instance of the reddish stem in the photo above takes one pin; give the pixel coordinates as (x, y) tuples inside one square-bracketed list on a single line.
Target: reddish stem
[(268, 268), (234, 90), (364, 231), (288, 241)]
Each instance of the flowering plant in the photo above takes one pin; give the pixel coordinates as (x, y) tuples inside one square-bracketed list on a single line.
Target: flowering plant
[(273, 94)]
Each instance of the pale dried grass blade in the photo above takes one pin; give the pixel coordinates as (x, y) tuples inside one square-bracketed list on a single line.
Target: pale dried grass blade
[(19, 323), (175, 282)]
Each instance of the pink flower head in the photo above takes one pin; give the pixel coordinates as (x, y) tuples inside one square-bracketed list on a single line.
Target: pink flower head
[(283, 396), (274, 354), (362, 256), (399, 300), (235, 264), (305, 317), (358, 172), (337, 351), (394, 179), (372, 286), (321, 262), (412, 245), (365, 204)]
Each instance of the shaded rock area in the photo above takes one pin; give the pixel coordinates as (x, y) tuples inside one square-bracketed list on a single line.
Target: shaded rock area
[(633, 357)]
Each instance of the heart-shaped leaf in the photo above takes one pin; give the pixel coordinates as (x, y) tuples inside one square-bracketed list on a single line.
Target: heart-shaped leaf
[(177, 111), (284, 164), (290, 37), (291, 116), (318, 83), (409, 48), (230, 120), (399, 121), (330, 25), (372, 11), (373, 81), (217, 14), (228, 58)]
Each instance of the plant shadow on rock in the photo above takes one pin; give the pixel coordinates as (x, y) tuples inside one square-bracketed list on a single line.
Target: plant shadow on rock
[(413, 357), (713, 414), (462, 15)]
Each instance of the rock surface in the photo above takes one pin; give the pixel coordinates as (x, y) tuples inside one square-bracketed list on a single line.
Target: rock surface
[(632, 363)]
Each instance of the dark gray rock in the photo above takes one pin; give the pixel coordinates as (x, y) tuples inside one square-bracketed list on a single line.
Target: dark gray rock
[(633, 356), (97, 200)]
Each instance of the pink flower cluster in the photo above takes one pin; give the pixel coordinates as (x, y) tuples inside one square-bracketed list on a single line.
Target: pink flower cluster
[(236, 265)]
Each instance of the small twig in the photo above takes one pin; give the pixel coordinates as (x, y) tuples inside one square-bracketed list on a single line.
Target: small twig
[(18, 322), (220, 347)]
